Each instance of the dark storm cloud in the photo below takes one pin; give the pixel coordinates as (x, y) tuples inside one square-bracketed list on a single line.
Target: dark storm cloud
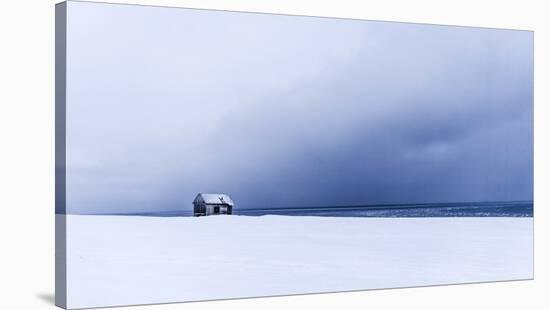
[(290, 111)]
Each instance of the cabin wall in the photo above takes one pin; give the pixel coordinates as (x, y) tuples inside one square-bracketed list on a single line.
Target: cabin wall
[(199, 209), (205, 209)]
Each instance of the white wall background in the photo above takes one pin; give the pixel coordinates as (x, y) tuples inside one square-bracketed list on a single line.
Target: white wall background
[(27, 153)]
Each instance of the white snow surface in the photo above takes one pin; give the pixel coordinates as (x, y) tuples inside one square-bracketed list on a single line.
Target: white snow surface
[(126, 260)]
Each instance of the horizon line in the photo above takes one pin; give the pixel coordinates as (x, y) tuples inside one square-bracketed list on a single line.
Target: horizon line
[(381, 205)]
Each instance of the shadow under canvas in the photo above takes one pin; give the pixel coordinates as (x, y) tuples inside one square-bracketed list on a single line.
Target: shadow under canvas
[(48, 298)]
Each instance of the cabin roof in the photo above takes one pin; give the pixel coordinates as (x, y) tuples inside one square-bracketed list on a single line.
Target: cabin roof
[(210, 198)]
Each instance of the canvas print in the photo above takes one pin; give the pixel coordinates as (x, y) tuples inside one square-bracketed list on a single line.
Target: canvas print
[(205, 154)]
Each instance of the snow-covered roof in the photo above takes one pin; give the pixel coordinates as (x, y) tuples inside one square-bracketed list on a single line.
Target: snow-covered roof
[(214, 199)]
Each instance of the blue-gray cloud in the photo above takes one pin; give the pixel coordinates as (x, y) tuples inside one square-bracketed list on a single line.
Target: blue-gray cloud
[(291, 111)]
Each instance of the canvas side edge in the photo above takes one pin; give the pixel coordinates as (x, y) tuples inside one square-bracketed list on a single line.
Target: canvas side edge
[(60, 154)]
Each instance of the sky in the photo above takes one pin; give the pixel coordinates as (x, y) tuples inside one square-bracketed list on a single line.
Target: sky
[(282, 111)]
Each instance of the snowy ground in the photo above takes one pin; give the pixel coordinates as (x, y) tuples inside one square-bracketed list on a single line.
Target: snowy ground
[(118, 260)]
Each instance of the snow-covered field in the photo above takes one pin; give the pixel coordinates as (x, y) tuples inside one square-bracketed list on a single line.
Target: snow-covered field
[(118, 260)]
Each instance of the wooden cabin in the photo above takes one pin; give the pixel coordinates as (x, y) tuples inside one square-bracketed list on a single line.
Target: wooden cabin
[(212, 204)]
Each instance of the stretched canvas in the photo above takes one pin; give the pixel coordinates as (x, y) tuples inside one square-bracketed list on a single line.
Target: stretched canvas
[(205, 154)]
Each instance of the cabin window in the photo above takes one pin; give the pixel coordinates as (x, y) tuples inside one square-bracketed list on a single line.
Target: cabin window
[(216, 209)]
